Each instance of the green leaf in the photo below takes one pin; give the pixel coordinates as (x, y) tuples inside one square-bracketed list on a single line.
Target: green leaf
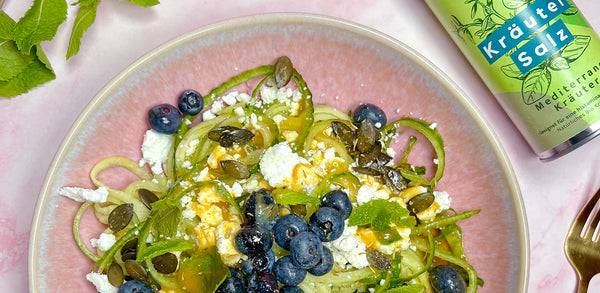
[(33, 75), (381, 214), (558, 63), (289, 197), (7, 26), (536, 84), (204, 271), (512, 71), (162, 247), (573, 50), (42, 57), (12, 61), (39, 23), (85, 18), (514, 4), (145, 3), (166, 219)]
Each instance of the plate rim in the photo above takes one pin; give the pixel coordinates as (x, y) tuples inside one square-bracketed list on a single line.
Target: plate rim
[(288, 17)]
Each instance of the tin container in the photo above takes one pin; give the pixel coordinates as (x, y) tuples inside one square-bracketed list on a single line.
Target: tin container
[(540, 59)]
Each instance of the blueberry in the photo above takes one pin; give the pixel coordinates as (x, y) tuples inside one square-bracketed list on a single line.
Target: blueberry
[(260, 282), (134, 286), (235, 283), (306, 250), (286, 228), (371, 112), (260, 209), (164, 118), (259, 262), (327, 223), (445, 279), (253, 239), (338, 200), (325, 265), (290, 289), (287, 272), (190, 102)]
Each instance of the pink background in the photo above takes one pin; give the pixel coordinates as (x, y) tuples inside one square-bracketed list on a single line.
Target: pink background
[(34, 125)]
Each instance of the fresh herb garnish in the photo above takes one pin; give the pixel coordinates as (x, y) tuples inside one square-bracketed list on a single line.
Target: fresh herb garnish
[(381, 214), (23, 64)]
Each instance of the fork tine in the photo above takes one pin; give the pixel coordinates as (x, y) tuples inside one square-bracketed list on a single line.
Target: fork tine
[(589, 233), (584, 214)]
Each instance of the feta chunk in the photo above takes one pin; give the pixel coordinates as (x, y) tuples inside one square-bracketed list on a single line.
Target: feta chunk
[(155, 150), (101, 282), (367, 193), (348, 251), (278, 163), (83, 194), (104, 242)]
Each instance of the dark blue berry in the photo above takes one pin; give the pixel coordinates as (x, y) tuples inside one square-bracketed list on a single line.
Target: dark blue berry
[(260, 209), (338, 200), (259, 262), (445, 279), (164, 118), (287, 272), (190, 103), (327, 223), (286, 228), (134, 286), (371, 112), (260, 282), (306, 250), (235, 283), (290, 289), (253, 239), (325, 265)]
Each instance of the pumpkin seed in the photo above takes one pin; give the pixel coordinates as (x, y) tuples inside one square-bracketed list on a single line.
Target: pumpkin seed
[(378, 260), (235, 169), (120, 217), (237, 136), (420, 202), (366, 136), (283, 71), (393, 178), (344, 133), (368, 170), (216, 133), (128, 254), (136, 270), (147, 197), (165, 263), (115, 275)]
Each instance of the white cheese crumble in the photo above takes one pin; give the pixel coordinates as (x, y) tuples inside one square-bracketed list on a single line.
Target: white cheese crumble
[(83, 194), (367, 193), (104, 242), (278, 163), (348, 251), (443, 199), (191, 147), (101, 282), (155, 149)]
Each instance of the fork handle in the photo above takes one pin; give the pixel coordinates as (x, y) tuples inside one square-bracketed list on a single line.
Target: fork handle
[(582, 285)]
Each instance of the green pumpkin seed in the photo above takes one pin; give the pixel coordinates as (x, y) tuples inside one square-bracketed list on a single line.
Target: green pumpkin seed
[(216, 133), (378, 260), (236, 136), (420, 202), (120, 217), (235, 169), (115, 275), (283, 71), (165, 263), (366, 136), (136, 270), (344, 133), (393, 178), (147, 197)]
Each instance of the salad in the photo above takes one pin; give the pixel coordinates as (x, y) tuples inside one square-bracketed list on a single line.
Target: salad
[(266, 192)]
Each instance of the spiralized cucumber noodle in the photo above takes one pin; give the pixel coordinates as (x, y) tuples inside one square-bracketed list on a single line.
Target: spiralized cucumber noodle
[(192, 183)]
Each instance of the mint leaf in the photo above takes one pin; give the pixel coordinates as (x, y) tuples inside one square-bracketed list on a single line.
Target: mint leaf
[(289, 197), (39, 23), (85, 18), (381, 214), (166, 219), (204, 271), (12, 61), (163, 247), (33, 75), (7, 26), (144, 3)]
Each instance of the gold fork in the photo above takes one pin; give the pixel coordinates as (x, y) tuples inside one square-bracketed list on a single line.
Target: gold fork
[(584, 252)]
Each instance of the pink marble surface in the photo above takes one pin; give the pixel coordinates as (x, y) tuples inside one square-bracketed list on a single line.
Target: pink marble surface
[(33, 125)]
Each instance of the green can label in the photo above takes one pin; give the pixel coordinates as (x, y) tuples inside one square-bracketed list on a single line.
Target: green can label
[(541, 59)]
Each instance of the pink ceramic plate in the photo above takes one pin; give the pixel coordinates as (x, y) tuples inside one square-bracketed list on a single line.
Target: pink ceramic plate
[(344, 64)]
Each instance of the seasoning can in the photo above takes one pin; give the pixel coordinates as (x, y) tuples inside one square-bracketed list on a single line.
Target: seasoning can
[(540, 59)]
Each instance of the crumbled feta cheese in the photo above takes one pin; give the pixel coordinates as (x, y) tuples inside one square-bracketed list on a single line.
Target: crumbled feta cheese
[(101, 282), (367, 193), (155, 149), (278, 119), (187, 165), (239, 111), (348, 251), (203, 176), (237, 189), (208, 115), (83, 194), (290, 135), (278, 163), (244, 97), (226, 232), (230, 99), (104, 242), (432, 125), (443, 199), (191, 147), (216, 106)]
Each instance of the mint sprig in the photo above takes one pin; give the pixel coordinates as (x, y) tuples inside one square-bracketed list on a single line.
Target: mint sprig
[(381, 214), (23, 64)]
